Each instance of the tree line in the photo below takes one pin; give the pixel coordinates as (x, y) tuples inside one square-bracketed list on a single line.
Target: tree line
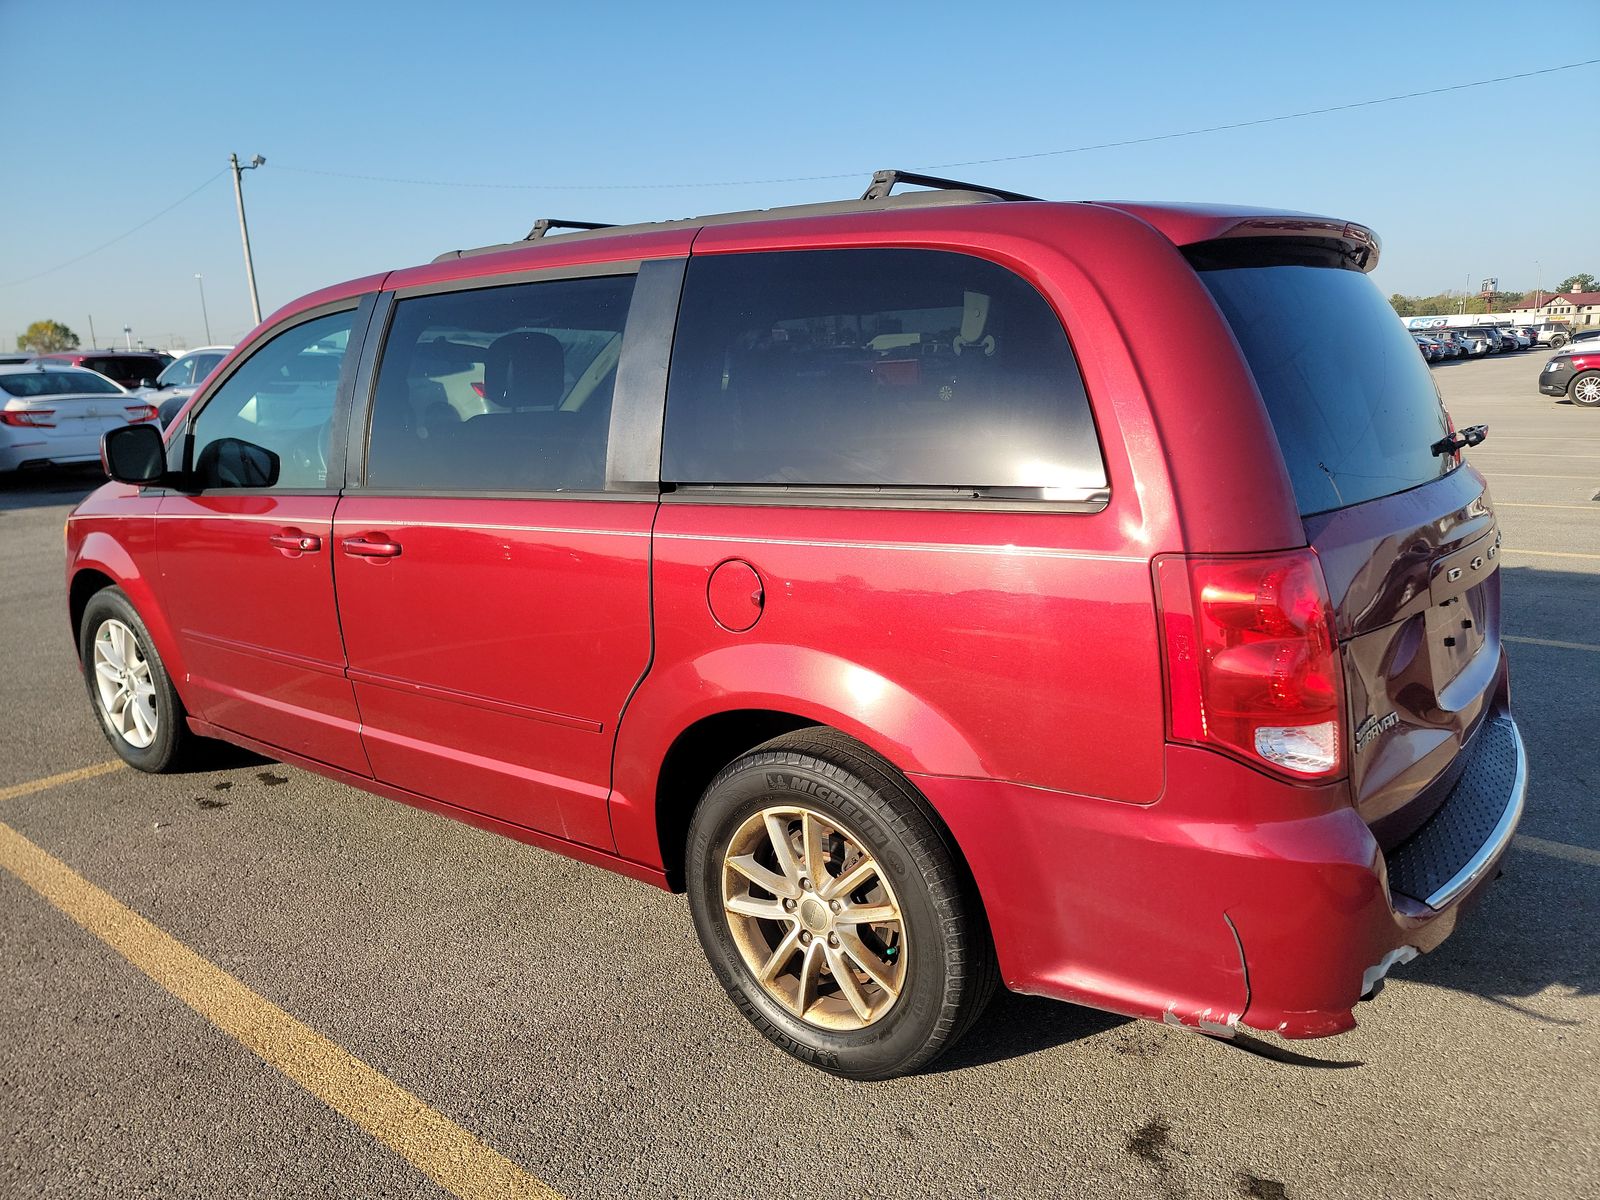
[(1444, 303)]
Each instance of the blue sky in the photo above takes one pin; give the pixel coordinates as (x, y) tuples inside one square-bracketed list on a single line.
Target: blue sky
[(113, 111)]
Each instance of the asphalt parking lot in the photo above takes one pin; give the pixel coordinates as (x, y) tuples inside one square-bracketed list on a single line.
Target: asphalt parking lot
[(529, 1023)]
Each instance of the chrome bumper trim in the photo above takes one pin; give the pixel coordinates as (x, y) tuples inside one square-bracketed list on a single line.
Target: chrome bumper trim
[(1499, 838)]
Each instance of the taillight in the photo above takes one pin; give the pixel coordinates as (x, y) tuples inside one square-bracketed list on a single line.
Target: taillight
[(141, 412), (31, 418), (1251, 660), (478, 388)]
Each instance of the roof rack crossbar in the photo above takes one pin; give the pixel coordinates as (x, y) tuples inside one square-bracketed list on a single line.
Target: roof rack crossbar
[(883, 182), (545, 224)]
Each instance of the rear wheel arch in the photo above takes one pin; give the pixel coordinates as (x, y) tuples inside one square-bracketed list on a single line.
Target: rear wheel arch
[(702, 751)]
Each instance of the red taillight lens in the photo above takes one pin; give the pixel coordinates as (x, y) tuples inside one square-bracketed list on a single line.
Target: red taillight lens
[(29, 418), (141, 412), (477, 387), (1251, 660)]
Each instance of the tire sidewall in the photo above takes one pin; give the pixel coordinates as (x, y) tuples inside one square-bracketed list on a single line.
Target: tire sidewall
[(113, 604), (1572, 389), (899, 1036)]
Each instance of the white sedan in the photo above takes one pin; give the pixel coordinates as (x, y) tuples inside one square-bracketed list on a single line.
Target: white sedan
[(55, 414)]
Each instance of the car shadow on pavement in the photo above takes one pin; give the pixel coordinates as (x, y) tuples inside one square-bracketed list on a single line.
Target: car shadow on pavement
[(1014, 1026), (48, 487)]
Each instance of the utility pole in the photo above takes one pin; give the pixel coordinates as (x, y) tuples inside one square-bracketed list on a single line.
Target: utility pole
[(201, 279), (244, 230), (92, 342), (127, 335)]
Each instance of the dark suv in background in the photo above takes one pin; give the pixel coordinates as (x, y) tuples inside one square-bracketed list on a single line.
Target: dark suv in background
[(131, 368)]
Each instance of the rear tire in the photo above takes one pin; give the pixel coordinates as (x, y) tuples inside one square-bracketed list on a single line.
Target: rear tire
[(1558, 340), (1585, 389), (129, 688), (867, 982)]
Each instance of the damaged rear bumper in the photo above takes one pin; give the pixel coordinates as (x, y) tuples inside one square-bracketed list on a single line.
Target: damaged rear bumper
[(1227, 902)]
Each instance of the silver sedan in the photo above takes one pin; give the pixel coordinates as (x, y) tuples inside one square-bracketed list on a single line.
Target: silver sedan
[(52, 414)]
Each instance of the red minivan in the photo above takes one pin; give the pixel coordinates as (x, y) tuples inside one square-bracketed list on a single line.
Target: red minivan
[(942, 588)]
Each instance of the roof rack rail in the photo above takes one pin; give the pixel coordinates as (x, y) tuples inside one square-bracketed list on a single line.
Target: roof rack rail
[(883, 183), (545, 224)]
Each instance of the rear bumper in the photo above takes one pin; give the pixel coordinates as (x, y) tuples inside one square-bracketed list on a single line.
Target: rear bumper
[(61, 451), (1233, 900)]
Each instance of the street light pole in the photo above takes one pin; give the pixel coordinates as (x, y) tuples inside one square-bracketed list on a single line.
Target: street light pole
[(244, 230), (201, 279)]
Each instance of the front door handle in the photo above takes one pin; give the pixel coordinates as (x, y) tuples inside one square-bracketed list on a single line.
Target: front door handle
[(293, 542), (362, 548)]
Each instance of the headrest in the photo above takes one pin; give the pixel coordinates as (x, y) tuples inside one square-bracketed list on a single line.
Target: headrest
[(524, 370)]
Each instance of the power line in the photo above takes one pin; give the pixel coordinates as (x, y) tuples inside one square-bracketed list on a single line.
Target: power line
[(970, 162), (118, 238)]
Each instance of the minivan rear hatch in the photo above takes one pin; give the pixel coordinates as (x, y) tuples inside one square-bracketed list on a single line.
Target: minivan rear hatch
[(1405, 532)]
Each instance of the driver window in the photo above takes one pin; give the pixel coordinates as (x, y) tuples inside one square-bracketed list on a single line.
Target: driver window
[(269, 424)]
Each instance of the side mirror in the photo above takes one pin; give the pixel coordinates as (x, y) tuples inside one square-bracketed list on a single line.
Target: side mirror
[(235, 463), (134, 454)]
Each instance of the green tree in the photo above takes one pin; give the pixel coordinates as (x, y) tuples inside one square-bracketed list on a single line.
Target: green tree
[(1405, 306), (43, 337), (1583, 282)]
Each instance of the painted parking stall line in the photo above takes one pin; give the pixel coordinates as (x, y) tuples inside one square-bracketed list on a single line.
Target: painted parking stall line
[(38, 785), (1577, 854), (453, 1158)]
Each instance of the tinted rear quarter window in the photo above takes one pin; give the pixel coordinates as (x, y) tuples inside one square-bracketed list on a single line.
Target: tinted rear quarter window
[(882, 369), (1353, 404)]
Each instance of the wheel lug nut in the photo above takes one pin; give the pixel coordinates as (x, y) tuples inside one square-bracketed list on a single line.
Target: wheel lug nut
[(805, 884), (833, 939), (836, 905), (805, 939), (788, 906)]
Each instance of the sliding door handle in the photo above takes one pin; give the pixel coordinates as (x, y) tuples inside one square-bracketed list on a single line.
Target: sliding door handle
[(360, 547)]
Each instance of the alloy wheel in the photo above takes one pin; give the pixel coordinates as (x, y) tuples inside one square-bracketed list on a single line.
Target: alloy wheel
[(814, 917), (122, 681), (1586, 390)]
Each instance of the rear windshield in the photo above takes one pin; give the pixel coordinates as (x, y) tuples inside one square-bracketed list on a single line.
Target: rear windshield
[(57, 383), (1352, 402), (126, 369)]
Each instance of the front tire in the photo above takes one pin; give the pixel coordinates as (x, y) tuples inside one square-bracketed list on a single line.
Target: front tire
[(129, 688), (1585, 389), (833, 909)]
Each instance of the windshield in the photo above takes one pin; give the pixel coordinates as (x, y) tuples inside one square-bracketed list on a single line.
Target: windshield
[(57, 383), (1352, 402)]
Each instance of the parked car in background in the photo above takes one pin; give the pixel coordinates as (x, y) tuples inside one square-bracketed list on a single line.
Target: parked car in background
[(53, 414), (1450, 341), (1432, 350), (10, 360), (1216, 730), (1584, 335), (129, 368), (1554, 333), (1574, 373), (1477, 342), (177, 383)]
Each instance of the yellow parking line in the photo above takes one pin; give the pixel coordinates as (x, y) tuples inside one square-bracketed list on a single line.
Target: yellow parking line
[(430, 1141), (1591, 507), (1577, 854), (1547, 553), (1533, 641), (39, 785)]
